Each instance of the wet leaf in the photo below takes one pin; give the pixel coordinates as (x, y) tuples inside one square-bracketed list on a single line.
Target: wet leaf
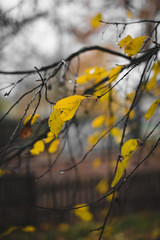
[(68, 106), (132, 46), (55, 122)]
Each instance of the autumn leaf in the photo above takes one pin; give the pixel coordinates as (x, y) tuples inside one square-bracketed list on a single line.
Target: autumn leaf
[(8, 231), (97, 162), (151, 110), (29, 229), (68, 106), (83, 79), (49, 137), (131, 114), (125, 41), (129, 147), (95, 21), (114, 72), (92, 139), (110, 120), (122, 166), (55, 122), (38, 147), (53, 146), (2, 172), (83, 213), (117, 134), (95, 74), (129, 14), (64, 110), (127, 151), (102, 186), (27, 131), (63, 227), (151, 84), (132, 46), (34, 118), (98, 121)]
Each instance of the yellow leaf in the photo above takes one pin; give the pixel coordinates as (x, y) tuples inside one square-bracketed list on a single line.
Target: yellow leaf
[(122, 166), (132, 46), (102, 186), (156, 67), (38, 147), (114, 72), (129, 147), (68, 106), (125, 41), (97, 162), (96, 73), (131, 114), (2, 172), (117, 134), (151, 84), (34, 118), (95, 21), (53, 146), (55, 122), (83, 213), (130, 97), (127, 151), (8, 231), (29, 229), (109, 198), (63, 227), (155, 233), (93, 73), (98, 121), (151, 110), (110, 121), (129, 14), (83, 79), (49, 137), (92, 139)]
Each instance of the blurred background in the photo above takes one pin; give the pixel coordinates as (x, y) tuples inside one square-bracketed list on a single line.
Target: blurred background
[(37, 33)]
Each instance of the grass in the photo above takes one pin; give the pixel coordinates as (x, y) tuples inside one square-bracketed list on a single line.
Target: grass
[(140, 226)]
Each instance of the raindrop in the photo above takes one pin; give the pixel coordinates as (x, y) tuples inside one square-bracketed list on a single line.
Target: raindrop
[(61, 172), (102, 40)]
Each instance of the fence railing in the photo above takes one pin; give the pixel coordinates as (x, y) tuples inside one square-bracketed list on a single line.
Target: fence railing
[(17, 194)]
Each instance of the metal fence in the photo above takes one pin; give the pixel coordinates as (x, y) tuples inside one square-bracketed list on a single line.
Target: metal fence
[(17, 194)]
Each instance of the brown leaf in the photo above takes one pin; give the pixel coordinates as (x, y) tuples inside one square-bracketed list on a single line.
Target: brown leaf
[(27, 131)]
